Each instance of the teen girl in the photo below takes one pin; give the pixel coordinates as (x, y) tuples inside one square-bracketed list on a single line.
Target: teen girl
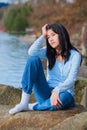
[(63, 61)]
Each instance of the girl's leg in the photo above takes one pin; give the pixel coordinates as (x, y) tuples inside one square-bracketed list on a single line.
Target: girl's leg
[(23, 104), (67, 102), (33, 76)]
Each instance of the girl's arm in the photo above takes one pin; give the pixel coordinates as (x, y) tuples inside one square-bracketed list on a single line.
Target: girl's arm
[(36, 50), (68, 83)]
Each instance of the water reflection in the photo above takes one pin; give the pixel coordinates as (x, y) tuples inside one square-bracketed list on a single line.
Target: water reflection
[(13, 56)]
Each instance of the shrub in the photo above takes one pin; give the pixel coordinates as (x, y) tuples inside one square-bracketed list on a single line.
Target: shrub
[(16, 19)]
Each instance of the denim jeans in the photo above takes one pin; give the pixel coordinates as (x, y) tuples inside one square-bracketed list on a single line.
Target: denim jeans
[(34, 79)]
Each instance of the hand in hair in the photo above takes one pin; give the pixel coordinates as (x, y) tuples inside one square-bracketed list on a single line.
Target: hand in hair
[(44, 32)]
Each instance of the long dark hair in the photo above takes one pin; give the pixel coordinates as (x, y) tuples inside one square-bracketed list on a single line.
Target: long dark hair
[(65, 45)]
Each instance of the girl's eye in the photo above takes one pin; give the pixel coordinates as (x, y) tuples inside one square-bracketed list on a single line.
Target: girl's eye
[(53, 34)]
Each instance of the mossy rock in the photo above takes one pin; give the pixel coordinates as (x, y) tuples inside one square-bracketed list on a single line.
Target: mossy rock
[(79, 89), (11, 96)]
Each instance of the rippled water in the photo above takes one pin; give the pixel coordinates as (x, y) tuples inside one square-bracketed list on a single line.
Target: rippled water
[(13, 56)]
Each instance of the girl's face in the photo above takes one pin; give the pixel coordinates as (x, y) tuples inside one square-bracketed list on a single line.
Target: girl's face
[(53, 38)]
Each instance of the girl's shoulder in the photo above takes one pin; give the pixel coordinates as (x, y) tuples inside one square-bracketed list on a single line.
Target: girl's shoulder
[(74, 53)]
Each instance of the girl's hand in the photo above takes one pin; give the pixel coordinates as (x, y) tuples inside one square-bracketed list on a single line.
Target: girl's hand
[(55, 100), (44, 32)]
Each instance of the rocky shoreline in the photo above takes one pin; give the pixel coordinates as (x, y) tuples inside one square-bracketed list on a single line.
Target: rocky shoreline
[(75, 118), (37, 120), (27, 38)]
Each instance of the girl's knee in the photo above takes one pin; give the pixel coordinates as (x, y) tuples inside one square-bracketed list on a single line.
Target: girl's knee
[(33, 60), (67, 100), (65, 96)]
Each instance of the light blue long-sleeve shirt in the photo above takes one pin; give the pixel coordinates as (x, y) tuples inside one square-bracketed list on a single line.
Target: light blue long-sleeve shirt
[(62, 76)]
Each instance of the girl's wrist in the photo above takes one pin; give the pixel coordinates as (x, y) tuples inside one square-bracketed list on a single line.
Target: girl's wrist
[(54, 92), (44, 35)]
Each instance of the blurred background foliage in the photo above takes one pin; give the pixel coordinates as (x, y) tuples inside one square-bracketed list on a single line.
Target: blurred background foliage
[(17, 17), (35, 15)]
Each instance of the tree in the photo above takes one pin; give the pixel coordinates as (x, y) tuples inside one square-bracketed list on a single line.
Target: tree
[(17, 17), (20, 23), (10, 18)]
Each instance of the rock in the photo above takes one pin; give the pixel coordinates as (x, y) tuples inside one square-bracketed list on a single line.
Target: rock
[(39, 120), (84, 98), (84, 61), (27, 38), (83, 72), (84, 40), (34, 120), (10, 95), (79, 89), (77, 122)]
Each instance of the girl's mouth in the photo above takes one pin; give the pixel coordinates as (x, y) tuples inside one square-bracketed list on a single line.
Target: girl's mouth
[(52, 43)]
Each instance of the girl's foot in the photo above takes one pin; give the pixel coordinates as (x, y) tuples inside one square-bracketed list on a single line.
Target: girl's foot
[(18, 108), (31, 105)]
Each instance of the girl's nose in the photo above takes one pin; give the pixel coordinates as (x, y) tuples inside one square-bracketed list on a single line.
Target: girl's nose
[(51, 39)]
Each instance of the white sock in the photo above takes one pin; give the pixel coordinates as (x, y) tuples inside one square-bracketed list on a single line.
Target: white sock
[(25, 98), (23, 104), (31, 105)]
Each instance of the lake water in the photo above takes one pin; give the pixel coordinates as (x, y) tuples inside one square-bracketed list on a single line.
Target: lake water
[(13, 56)]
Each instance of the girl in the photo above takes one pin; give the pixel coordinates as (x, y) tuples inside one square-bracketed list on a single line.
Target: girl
[(63, 62)]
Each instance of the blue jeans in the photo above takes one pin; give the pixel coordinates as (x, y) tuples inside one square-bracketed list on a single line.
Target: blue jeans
[(34, 78)]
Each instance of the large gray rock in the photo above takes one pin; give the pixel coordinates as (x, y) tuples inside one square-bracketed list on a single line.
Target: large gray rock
[(38, 120), (34, 120), (79, 89), (83, 72), (84, 98), (77, 122), (9, 95)]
